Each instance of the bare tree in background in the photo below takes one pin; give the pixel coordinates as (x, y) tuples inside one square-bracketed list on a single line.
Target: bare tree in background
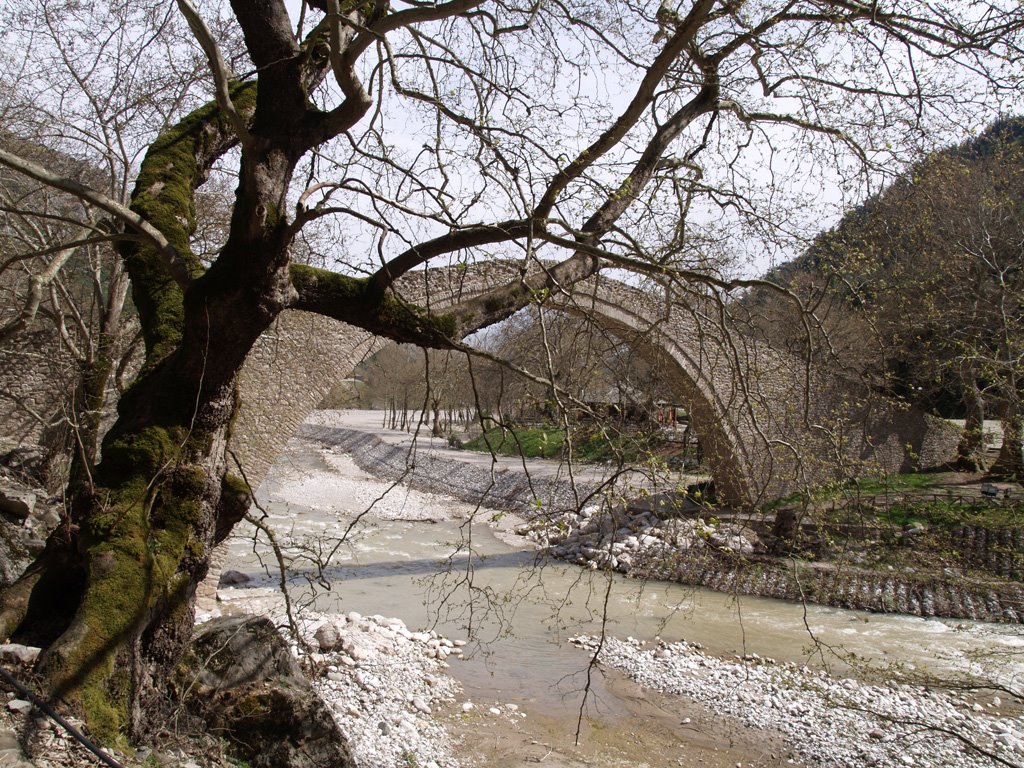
[(65, 280)]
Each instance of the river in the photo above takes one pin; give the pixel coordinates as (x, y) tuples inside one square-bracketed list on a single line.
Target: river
[(439, 563)]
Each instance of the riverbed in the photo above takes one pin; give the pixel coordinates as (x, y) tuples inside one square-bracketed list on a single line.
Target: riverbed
[(450, 566)]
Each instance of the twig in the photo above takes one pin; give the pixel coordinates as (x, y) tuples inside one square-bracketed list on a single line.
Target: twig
[(76, 734)]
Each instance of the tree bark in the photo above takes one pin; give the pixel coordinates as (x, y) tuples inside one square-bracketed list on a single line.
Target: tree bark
[(436, 429), (970, 451), (111, 597), (1010, 464)]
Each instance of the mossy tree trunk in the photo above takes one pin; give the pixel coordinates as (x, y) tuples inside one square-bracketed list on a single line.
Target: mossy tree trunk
[(113, 601), (111, 597)]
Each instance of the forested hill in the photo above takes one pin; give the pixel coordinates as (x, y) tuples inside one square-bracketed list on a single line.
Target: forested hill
[(832, 249), (920, 287)]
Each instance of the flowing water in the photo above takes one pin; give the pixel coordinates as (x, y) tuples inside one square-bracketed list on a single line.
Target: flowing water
[(439, 563)]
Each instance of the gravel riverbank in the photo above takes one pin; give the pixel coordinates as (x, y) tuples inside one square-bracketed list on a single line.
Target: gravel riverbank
[(382, 682), (829, 722)]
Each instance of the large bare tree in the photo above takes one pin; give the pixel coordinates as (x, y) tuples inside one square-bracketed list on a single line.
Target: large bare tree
[(384, 137)]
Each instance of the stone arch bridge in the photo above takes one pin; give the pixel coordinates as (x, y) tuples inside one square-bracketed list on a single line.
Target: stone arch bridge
[(769, 423)]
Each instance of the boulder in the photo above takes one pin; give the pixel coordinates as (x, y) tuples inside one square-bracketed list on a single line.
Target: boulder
[(17, 504), (14, 554), (232, 578), (19, 705), (29, 462), (242, 680), (27, 516), (24, 655), (327, 637)]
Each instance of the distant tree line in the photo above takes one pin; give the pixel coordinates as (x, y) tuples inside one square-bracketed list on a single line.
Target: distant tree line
[(580, 371)]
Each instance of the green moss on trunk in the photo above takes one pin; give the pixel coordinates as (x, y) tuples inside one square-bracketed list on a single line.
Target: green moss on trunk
[(145, 534), (354, 301), (164, 194)]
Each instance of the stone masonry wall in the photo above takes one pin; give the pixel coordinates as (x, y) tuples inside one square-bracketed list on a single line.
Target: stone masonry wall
[(34, 380), (289, 371)]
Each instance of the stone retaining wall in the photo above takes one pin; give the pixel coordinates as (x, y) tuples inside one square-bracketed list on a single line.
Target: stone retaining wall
[(505, 490), (845, 587), (994, 550)]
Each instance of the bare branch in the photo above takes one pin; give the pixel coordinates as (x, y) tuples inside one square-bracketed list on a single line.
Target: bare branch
[(221, 74), (175, 266), (37, 283)]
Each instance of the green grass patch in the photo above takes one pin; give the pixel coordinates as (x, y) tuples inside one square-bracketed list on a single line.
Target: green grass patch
[(915, 481), (953, 514), (629, 447), (528, 442), (589, 445), (863, 486)]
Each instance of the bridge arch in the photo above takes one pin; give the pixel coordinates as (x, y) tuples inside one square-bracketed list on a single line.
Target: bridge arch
[(769, 424)]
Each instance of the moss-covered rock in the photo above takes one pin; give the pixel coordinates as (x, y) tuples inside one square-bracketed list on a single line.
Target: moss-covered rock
[(241, 678)]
